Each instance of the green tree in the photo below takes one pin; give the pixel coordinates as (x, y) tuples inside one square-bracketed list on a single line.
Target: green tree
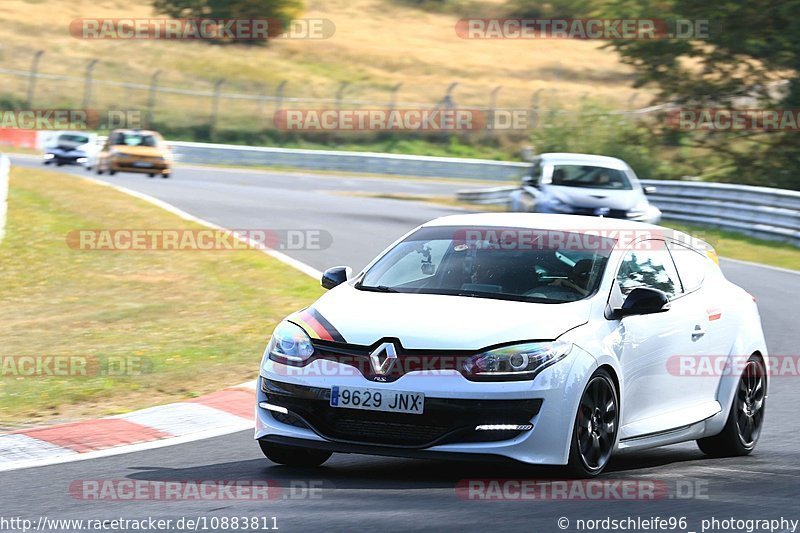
[(748, 58), (279, 12)]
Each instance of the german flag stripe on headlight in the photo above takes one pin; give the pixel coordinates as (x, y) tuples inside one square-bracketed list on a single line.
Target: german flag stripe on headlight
[(316, 326)]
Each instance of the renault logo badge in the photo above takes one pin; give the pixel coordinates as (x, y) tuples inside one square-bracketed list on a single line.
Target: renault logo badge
[(383, 358)]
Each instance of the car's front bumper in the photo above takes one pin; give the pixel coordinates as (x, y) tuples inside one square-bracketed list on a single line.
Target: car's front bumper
[(65, 158), (133, 165), (454, 408)]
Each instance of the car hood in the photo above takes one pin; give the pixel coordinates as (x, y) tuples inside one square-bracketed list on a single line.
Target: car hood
[(585, 197), (438, 322)]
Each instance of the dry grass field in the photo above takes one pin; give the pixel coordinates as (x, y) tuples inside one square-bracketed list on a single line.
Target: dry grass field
[(377, 44)]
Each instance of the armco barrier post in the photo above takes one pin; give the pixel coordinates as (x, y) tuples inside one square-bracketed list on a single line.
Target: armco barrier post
[(5, 166)]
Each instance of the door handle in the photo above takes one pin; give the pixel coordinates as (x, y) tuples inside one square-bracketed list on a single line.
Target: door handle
[(698, 332)]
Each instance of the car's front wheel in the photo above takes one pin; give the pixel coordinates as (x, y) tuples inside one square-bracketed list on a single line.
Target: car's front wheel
[(596, 425), (293, 456), (746, 417)]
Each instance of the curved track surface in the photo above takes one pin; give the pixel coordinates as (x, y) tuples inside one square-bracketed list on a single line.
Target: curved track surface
[(360, 492)]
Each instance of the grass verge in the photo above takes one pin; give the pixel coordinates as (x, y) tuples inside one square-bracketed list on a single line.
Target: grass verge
[(200, 318), (739, 246)]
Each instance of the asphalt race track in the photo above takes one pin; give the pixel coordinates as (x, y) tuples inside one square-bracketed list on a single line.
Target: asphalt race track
[(372, 493)]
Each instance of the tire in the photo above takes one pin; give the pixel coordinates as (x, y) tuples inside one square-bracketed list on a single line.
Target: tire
[(166, 176), (746, 417), (293, 456), (98, 170), (595, 429), (112, 172), (151, 175)]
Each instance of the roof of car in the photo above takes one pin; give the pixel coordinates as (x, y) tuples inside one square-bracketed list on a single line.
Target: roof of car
[(600, 160), (553, 222), (141, 132)]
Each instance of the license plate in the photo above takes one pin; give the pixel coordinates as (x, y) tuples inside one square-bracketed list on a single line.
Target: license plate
[(378, 400), (143, 165)]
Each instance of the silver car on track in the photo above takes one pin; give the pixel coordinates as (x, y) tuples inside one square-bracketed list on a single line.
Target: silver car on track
[(582, 184)]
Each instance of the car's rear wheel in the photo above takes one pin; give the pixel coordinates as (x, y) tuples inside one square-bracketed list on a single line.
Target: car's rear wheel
[(166, 176), (596, 425), (293, 456), (112, 172), (746, 417), (98, 170), (151, 175)]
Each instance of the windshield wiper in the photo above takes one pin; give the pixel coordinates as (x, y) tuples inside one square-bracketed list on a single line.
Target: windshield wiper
[(379, 288)]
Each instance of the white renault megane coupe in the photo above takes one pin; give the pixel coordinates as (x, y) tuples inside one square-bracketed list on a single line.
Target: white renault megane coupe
[(548, 339)]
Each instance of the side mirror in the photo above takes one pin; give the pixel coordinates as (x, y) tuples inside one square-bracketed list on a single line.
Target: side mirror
[(649, 190), (643, 301), (530, 181), (336, 276)]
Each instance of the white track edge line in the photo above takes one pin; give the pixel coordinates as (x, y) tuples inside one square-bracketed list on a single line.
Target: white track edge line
[(283, 258), (119, 450)]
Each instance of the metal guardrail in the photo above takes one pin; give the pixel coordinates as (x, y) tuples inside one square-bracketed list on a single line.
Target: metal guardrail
[(361, 162), (761, 212), (758, 211), (5, 167), (771, 214), (492, 196)]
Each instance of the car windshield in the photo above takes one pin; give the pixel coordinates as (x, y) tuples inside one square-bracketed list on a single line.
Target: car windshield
[(137, 139), (518, 264), (72, 138), (590, 176)]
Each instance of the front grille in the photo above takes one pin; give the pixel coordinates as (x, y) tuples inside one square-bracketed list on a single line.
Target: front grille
[(591, 211), (444, 420), (384, 431)]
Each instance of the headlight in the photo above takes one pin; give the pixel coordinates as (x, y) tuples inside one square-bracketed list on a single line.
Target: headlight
[(290, 344), (516, 362), (639, 211)]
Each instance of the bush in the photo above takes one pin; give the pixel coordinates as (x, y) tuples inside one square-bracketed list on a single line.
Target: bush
[(592, 130), (281, 12)]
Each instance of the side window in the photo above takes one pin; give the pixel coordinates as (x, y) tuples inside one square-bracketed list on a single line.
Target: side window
[(651, 266), (692, 266)]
